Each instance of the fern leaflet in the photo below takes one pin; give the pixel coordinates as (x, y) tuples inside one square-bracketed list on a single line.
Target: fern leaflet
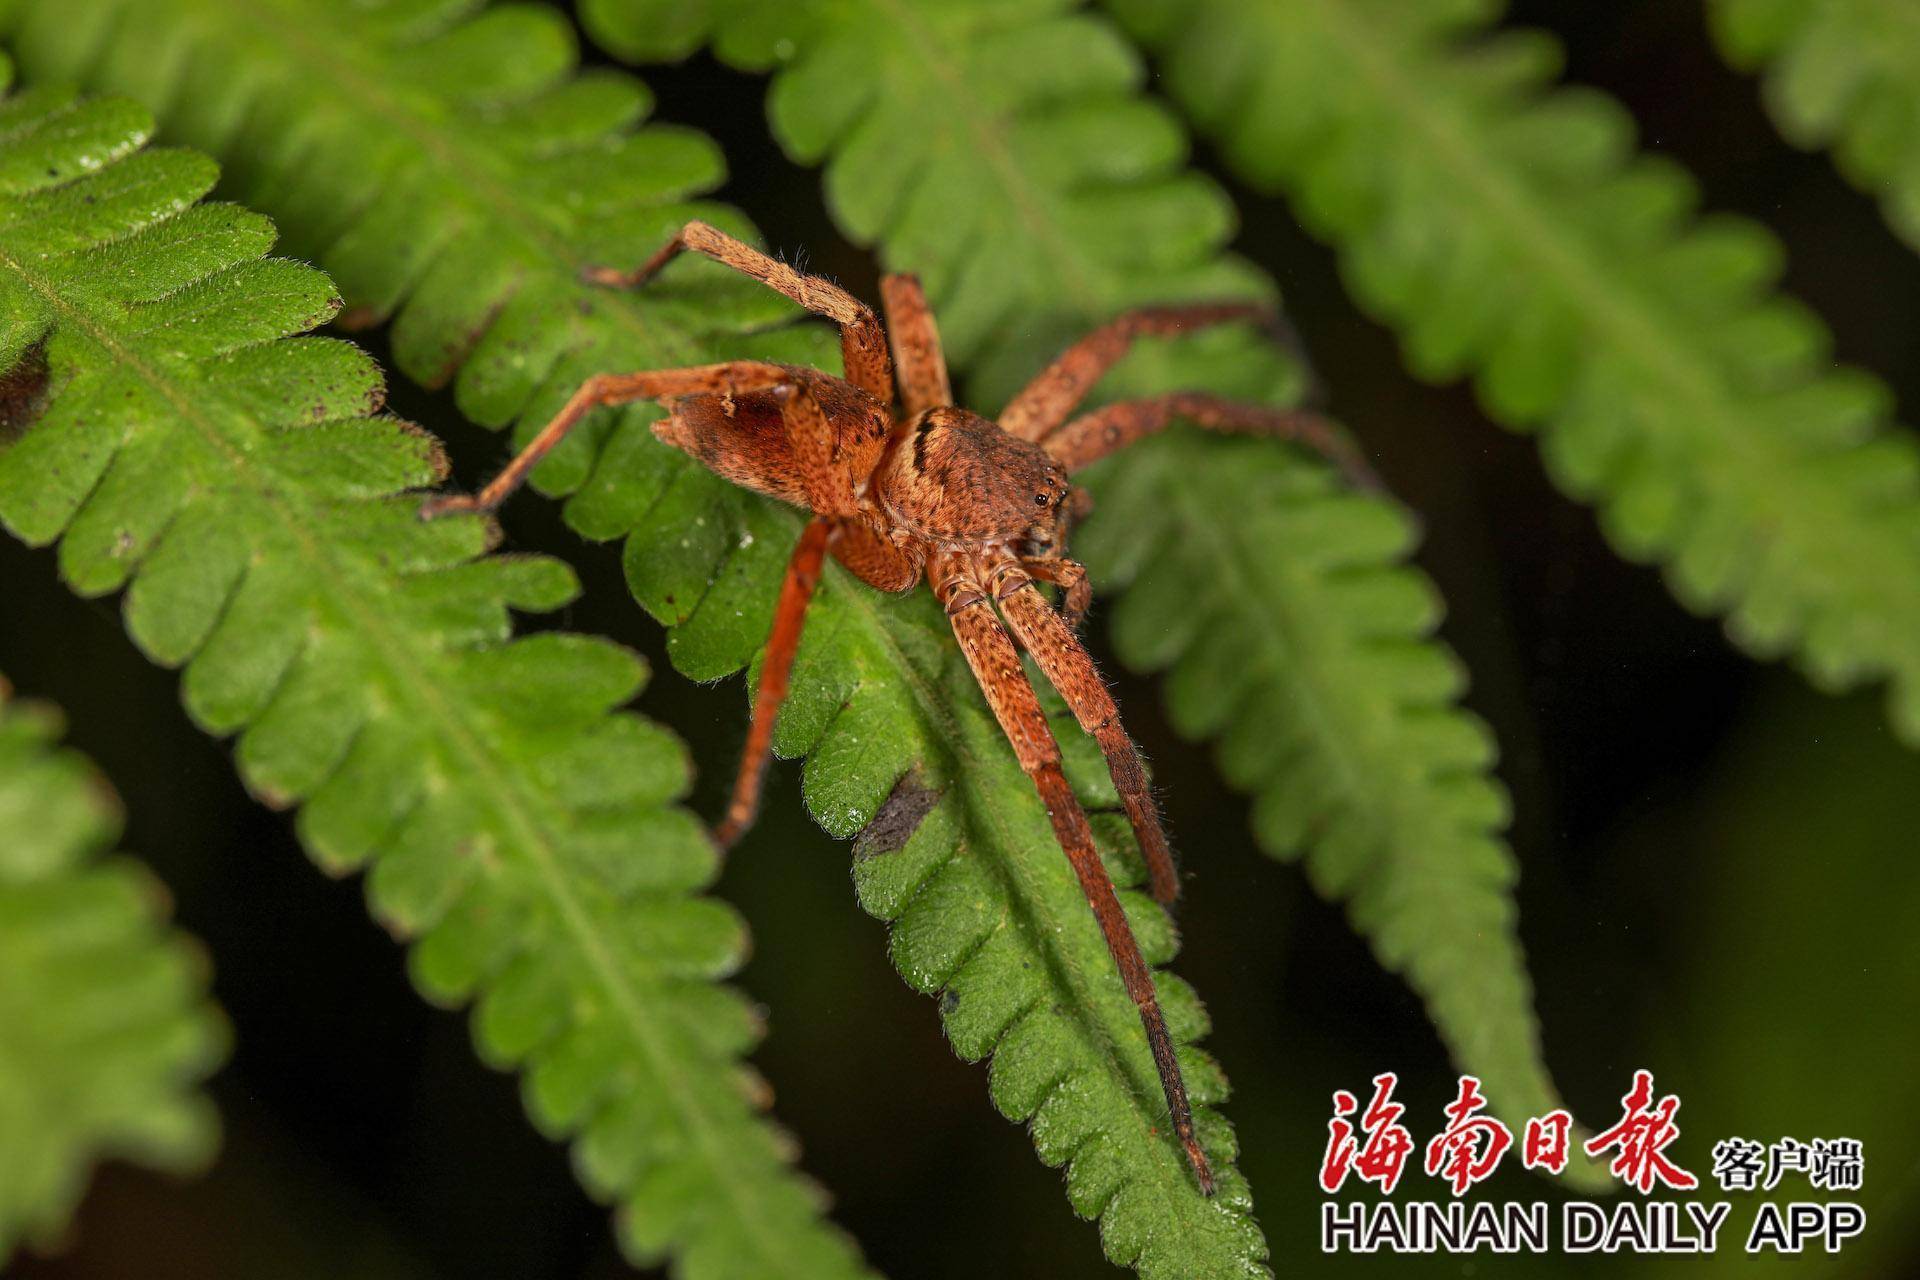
[(109, 1030), (1007, 155), (236, 481), (484, 246), (1839, 73), (1511, 231)]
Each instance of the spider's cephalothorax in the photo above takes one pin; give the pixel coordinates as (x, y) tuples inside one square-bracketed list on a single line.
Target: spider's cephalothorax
[(954, 479), (918, 486)]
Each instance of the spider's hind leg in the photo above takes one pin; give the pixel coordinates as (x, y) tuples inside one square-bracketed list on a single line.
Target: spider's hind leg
[(863, 343), (605, 389), (916, 344)]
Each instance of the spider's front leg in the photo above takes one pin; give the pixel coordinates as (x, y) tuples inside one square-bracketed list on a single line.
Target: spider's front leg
[(1040, 411), (1069, 668), (1043, 404), (990, 653), (917, 354)]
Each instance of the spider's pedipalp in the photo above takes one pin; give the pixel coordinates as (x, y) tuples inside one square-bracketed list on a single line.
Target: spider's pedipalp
[(990, 653), (1076, 589)]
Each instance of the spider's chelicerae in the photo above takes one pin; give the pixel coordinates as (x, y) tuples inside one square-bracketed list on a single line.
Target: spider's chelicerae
[(980, 508)]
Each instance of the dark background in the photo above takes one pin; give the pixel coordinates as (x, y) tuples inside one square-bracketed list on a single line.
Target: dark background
[(1717, 872)]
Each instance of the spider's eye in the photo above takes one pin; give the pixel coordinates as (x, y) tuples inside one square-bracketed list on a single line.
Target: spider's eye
[(1042, 499)]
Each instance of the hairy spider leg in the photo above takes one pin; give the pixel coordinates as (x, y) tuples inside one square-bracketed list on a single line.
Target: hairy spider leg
[(810, 436), (829, 491), (737, 377), (863, 343), (776, 667), (876, 560), (1069, 668), (990, 653), (917, 355), (1058, 389), (1107, 430), (872, 559)]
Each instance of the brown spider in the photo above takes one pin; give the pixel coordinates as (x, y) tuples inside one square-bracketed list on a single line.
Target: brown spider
[(981, 509)]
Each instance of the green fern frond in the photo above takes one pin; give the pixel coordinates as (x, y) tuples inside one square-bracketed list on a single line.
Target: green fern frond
[(1843, 74), (236, 481), (1511, 231), (1007, 155), (984, 907), (106, 1027)]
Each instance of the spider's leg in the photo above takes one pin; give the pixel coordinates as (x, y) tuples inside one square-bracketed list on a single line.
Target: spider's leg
[(1070, 669), (997, 667), (736, 377), (916, 344), (776, 666), (863, 344), (876, 560), (1093, 436), (824, 477), (1071, 577), (829, 491), (1058, 389)]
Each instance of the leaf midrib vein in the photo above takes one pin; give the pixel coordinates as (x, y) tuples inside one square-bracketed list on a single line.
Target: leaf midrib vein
[(988, 129), (1343, 744)]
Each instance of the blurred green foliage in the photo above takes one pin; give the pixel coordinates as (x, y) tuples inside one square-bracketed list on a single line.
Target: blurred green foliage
[(1839, 74), (106, 1031), (1511, 230)]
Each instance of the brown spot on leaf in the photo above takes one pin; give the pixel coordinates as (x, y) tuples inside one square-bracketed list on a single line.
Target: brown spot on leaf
[(900, 816), (23, 393)]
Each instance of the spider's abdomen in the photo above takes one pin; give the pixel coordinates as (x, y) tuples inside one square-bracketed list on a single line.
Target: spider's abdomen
[(954, 477), (741, 438)]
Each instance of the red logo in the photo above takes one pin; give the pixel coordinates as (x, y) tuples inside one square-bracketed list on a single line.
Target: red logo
[(1383, 1159), (1643, 1133), (1469, 1148), (1549, 1138)]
